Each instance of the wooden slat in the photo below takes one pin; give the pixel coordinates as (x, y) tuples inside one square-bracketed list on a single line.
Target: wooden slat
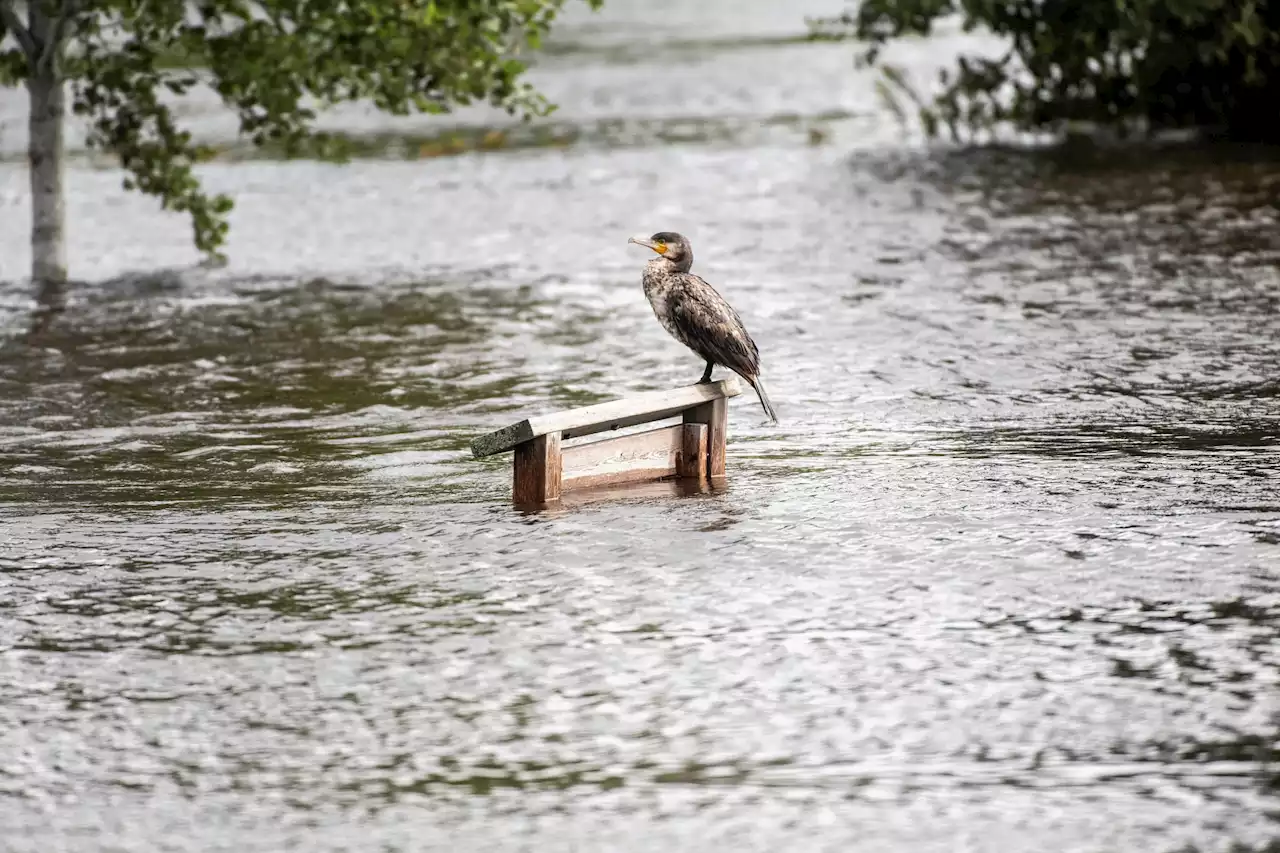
[(629, 411), (650, 455), (655, 489), (536, 479)]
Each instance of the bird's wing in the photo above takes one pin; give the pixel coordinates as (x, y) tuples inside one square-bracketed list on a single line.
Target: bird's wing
[(712, 328)]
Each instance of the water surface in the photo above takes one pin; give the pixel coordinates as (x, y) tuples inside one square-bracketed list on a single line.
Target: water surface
[(1006, 577)]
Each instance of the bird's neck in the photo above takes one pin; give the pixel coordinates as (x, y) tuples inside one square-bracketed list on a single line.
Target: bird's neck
[(666, 266)]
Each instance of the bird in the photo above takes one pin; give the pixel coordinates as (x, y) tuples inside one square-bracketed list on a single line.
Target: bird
[(696, 315)]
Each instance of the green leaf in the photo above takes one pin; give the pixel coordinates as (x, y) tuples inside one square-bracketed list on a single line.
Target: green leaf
[(1123, 63), (274, 63)]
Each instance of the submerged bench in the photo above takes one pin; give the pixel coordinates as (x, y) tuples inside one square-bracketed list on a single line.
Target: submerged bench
[(544, 468)]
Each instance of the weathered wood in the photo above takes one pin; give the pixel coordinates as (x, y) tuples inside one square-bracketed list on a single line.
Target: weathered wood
[(537, 471), (637, 409), (655, 454), (649, 455), (692, 462), (715, 414), (651, 490)]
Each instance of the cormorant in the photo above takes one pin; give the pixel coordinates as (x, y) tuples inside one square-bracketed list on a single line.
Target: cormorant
[(696, 315)]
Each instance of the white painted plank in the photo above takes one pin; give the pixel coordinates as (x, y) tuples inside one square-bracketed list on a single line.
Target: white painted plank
[(648, 455), (616, 414)]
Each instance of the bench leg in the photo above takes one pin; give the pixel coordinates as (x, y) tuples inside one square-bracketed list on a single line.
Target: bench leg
[(536, 478)]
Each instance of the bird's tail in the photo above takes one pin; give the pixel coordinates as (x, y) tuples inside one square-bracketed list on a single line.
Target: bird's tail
[(758, 384)]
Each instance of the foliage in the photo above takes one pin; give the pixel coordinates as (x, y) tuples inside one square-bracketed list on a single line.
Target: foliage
[(276, 63), (1162, 64)]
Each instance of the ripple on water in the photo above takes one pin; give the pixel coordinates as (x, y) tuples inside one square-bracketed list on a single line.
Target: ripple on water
[(1004, 578)]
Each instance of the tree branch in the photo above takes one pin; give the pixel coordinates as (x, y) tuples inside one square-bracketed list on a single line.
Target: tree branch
[(58, 33), (21, 33)]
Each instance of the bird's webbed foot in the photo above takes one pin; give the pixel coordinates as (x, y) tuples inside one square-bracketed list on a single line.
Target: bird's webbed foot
[(706, 374)]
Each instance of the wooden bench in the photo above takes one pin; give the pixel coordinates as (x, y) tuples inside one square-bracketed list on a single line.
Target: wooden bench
[(545, 467)]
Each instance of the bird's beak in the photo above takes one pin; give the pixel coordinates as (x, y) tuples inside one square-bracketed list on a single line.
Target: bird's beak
[(648, 244)]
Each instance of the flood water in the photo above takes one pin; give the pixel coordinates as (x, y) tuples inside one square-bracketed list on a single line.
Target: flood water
[(1006, 576)]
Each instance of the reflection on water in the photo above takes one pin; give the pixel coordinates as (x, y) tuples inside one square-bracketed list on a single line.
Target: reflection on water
[(1005, 577)]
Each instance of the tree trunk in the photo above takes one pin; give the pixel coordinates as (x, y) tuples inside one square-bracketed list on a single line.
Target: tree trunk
[(46, 156)]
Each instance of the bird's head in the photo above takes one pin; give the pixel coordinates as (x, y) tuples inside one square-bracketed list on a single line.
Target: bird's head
[(671, 246)]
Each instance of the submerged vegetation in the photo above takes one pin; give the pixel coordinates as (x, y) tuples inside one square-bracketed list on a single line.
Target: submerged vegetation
[(424, 143), (1126, 65)]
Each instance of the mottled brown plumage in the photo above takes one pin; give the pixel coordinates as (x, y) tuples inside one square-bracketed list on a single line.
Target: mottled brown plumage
[(697, 316)]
